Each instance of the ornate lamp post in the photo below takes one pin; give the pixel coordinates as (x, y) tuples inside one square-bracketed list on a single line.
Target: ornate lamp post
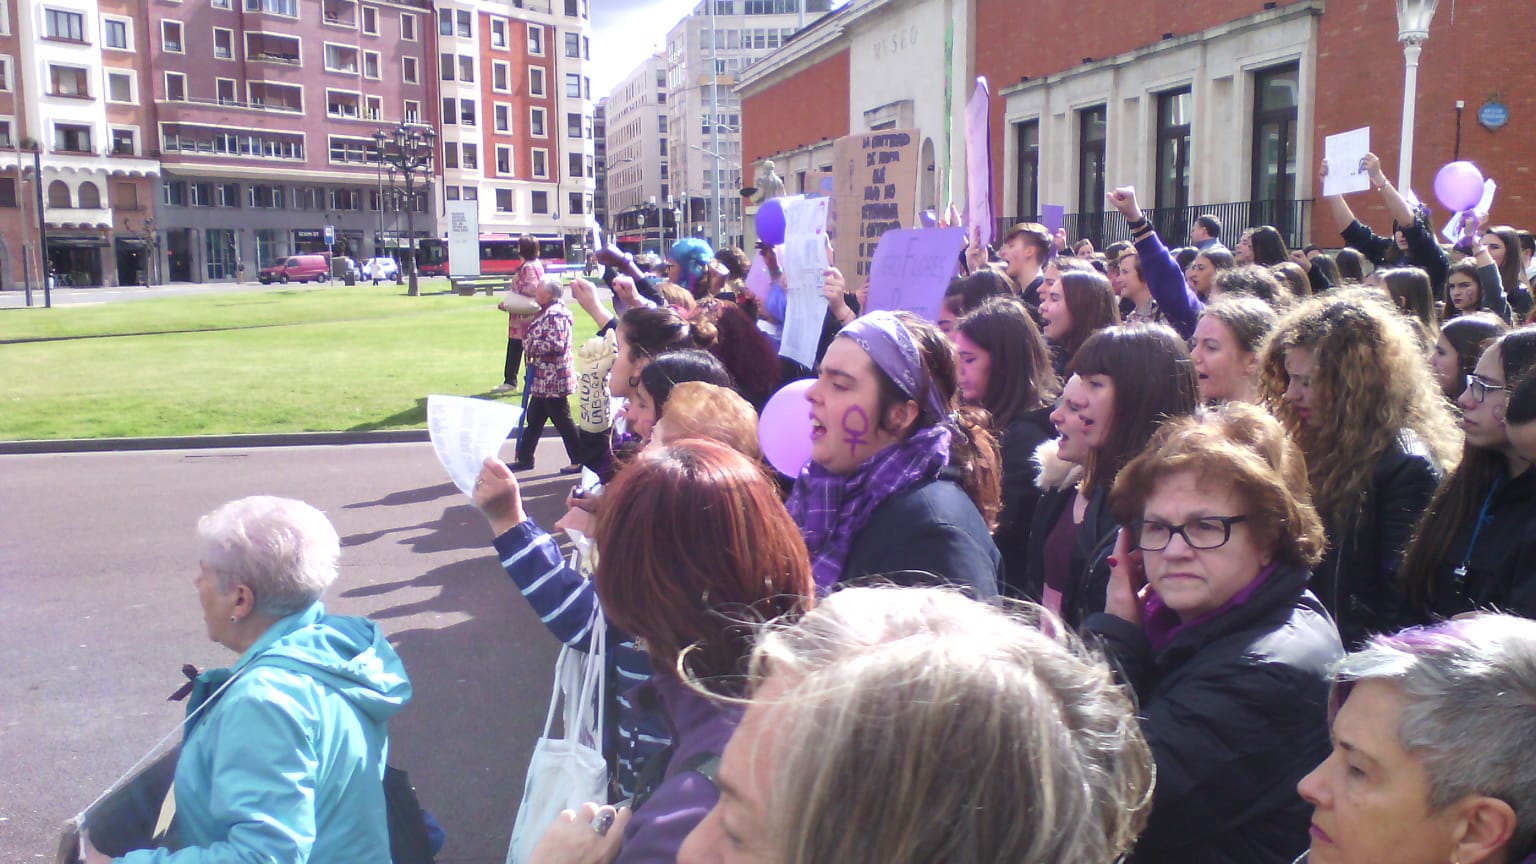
[(1413, 18), (407, 150)]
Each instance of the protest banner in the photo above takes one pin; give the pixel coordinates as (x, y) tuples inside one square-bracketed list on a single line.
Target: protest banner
[(803, 258), (874, 190), (912, 267)]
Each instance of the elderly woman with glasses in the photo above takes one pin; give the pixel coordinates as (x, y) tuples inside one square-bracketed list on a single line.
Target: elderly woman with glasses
[(1227, 651), (1431, 757)]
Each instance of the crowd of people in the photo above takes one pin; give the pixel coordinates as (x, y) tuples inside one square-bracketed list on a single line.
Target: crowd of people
[(1160, 553)]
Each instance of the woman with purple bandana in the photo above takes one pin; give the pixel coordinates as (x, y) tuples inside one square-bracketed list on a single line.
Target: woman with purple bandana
[(1208, 618), (901, 484)]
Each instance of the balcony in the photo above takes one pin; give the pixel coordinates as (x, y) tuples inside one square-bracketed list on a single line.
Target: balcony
[(273, 48), (340, 13), (343, 106), (1291, 218)]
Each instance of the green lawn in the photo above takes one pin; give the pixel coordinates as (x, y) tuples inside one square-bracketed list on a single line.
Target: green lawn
[(281, 360)]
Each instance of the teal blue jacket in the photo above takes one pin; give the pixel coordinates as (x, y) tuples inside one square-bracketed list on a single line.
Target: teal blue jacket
[(287, 763)]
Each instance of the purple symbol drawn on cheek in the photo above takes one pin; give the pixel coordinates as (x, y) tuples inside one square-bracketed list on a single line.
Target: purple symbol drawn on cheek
[(854, 434)]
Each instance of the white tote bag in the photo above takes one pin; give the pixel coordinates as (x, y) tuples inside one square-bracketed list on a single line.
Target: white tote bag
[(568, 771)]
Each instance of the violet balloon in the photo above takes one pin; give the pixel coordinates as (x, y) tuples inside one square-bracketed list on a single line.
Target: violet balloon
[(1459, 186), (784, 430), (770, 222)]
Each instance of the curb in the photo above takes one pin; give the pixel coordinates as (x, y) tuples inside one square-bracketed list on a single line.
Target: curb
[(205, 442)]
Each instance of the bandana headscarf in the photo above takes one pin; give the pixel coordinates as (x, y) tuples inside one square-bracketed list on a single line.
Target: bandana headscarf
[(886, 340)]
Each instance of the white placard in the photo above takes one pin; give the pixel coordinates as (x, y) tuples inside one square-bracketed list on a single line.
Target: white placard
[(1344, 152), (465, 431), (804, 258), (464, 238)]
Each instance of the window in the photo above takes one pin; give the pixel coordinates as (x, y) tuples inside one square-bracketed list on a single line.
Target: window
[(586, 48), (6, 78), (125, 196), (224, 89), (573, 45), (8, 193), (370, 21), (445, 22), (125, 142), (573, 125), (540, 164), (503, 160), (407, 27), (536, 40), (170, 37), (501, 74), (114, 34), (1091, 127), (58, 194), (175, 87), (6, 140), (223, 43), (573, 167), (450, 110), (540, 201), (202, 194), (574, 200), (450, 154), (498, 33), (503, 199), (266, 197), (371, 65), (289, 8), (119, 87), (1274, 146), (451, 193), (445, 66), (465, 24), (467, 112), (412, 112), (68, 26), (503, 115), (466, 68), (471, 193), (272, 48), (69, 81), (226, 195), (1173, 114), (536, 81), (572, 8), (573, 86), (340, 58), (374, 109), (536, 122), (72, 138), (471, 160), (408, 71), (174, 193), (592, 173), (340, 103), (1027, 183)]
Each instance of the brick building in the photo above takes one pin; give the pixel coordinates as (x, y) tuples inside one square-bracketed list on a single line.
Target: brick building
[(1201, 104)]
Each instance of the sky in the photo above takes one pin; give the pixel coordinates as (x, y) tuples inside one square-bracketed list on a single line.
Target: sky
[(625, 32)]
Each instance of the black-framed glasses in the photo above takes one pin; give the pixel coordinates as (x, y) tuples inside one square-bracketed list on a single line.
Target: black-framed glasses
[(1479, 388), (1207, 532)]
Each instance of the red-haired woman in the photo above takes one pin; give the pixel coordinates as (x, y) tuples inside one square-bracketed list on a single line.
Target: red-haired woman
[(690, 601)]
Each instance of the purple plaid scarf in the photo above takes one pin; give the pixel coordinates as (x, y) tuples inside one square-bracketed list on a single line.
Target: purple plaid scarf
[(830, 509)]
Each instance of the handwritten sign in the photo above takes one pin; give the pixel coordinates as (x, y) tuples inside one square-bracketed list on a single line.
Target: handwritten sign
[(874, 190), (804, 257), (1344, 152), (912, 267)]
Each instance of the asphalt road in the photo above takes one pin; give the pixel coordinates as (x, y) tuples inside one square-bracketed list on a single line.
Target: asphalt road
[(97, 557)]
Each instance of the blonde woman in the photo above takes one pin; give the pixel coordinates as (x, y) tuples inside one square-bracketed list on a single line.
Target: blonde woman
[(1346, 375)]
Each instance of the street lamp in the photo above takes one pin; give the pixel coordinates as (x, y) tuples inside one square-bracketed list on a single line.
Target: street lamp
[(407, 149), (719, 210), (1413, 18)]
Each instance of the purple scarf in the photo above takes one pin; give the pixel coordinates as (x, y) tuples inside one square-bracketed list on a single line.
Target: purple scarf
[(1162, 624), (831, 509)]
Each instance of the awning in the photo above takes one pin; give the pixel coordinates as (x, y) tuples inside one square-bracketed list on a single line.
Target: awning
[(77, 242), (130, 242)]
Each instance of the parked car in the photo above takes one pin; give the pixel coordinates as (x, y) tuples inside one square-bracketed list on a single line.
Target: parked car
[(295, 268), (388, 268)]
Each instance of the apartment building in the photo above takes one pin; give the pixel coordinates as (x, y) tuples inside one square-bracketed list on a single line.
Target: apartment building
[(706, 52), (640, 196), (265, 112), (600, 162)]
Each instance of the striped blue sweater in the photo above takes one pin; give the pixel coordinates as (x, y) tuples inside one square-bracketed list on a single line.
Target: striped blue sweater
[(565, 601)]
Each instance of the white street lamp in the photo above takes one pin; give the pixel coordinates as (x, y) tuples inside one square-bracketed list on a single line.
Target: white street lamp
[(719, 204), (1413, 18)]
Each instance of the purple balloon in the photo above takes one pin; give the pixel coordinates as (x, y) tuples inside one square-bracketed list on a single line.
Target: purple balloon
[(784, 430), (1459, 186), (770, 222)]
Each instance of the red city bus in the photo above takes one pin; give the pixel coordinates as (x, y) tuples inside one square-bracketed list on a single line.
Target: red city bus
[(498, 256)]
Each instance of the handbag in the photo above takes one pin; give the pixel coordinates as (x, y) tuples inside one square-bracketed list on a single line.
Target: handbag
[(570, 770)]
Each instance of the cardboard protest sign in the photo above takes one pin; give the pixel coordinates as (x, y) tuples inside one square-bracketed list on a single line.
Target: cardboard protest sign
[(912, 267), (874, 190)]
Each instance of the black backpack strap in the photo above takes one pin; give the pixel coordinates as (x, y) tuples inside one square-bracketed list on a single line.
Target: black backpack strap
[(706, 765)]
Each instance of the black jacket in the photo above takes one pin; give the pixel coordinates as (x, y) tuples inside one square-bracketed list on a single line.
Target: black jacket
[(1236, 713), (1357, 578), (1094, 541), (1423, 252), (933, 529), (1019, 440), (1501, 571)]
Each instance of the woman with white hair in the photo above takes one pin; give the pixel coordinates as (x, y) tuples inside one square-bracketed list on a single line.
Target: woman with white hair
[(282, 757), (1433, 730), (547, 344), (894, 725)]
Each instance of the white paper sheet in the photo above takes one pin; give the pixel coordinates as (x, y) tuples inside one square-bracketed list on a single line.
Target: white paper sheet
[(464, 431), (1344, 152), (1452, 230), (803, 258)]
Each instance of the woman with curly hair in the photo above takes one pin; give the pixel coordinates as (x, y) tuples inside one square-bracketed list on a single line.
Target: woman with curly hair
[(1347, 377)]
